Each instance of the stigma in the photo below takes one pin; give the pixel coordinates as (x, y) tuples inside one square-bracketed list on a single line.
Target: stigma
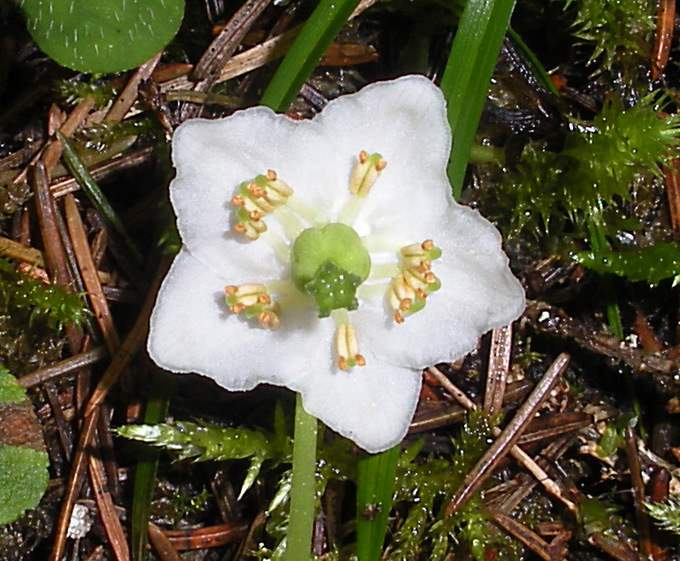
[(255, 199), (410, 288), (347, 348), (253, 301)]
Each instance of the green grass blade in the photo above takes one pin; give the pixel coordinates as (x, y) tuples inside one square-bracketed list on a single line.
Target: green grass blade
[(538, 68), (316, 36), (375, 488), (162, 388), (96, 196), (468, 73)]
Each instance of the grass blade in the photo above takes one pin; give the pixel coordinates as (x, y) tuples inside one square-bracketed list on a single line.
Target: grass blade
[(162, 387), (316, 36), (468, 74), (96, 196), (375, 489)]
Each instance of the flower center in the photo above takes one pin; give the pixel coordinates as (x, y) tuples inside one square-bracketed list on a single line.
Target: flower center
[(329, 263)]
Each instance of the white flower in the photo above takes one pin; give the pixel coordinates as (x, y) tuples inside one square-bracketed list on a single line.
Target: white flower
[(372, 165)]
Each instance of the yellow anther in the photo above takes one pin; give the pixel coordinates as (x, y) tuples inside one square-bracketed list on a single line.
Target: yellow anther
[(409, 290), (269, 320), (347, 347), (253, 301), (255, 199), (365, 173)]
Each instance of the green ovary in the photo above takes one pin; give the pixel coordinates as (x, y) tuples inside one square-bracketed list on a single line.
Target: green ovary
[(329, 264)]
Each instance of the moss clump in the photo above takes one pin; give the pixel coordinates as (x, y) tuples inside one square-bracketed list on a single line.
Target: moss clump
[(615, 28), (593, 173)]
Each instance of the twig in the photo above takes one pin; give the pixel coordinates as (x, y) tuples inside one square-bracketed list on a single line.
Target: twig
[(509, 437), (132, 343), (207, 537), (160, 542), (88, 271), (665, 22), (207, 71), (499, 366), (127, 97), (644, 529), (66, 185), (520, 455), (14, 250), (550, 320), (107, 511), (529, 538), (63, 368)]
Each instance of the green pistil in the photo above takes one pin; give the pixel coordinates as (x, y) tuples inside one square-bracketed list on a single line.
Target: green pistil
[(333, 288), (330, 263)]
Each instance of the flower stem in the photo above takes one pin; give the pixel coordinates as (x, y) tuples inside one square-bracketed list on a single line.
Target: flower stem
[(303, 488)]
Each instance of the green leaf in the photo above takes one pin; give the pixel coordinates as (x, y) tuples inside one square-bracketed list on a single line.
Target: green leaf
[(468, 74), (23, 480), (649, 264), (102, 35), (316, 36), (375, 488)]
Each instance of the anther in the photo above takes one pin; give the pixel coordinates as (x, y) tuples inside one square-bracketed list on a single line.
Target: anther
[(253, 301), (409, 290), (347, 348), (365, 172), (255, 199)]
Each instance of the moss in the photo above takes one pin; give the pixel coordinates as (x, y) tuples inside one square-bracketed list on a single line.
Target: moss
[(615, 28), (10, 390)]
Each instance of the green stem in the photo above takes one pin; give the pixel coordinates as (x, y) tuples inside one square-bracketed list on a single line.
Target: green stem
[(303, 487)]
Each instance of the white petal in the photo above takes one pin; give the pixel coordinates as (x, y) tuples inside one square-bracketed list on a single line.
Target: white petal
[(192, 331), (479, 293), (405, 121), (371, 405)]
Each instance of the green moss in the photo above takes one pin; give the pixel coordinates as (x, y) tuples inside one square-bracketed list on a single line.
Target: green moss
[(23, 480), (424, 487), (551, 192), (38, 302), (10, 390), (615, 28)]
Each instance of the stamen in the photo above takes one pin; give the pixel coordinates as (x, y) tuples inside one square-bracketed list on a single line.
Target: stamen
[(408, 290), (256, 198), (253, 301), (346, 344), (365, 173)]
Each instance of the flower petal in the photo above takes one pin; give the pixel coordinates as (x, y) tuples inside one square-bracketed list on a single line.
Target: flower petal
[(405, 121), (371, 405), (192, 331), (478, 293)]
